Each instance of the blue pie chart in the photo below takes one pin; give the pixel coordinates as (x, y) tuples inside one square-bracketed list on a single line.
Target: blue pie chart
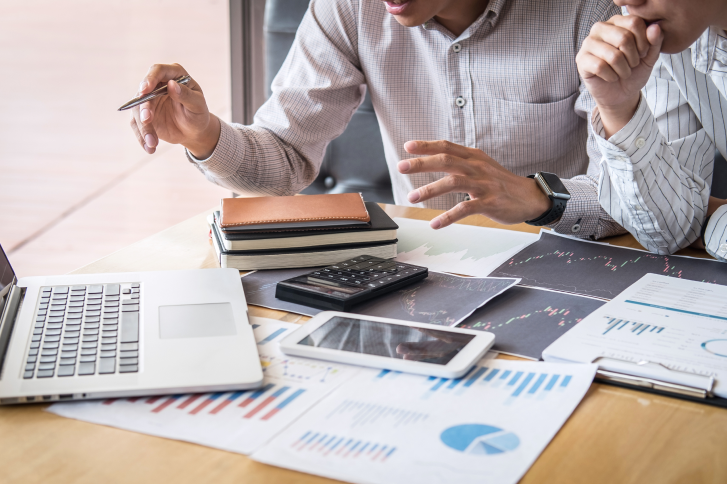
[(479, 439), (718, 347)]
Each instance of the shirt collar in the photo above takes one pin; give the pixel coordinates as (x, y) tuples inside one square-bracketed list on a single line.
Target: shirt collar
[(491, 15), (709, 52)]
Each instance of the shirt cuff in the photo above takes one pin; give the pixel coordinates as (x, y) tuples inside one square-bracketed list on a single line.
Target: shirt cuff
[(224, 160), (715, 236), (580, 218), (634, 146)]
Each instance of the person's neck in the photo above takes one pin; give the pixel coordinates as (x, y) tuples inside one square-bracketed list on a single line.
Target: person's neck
[(460, 14)]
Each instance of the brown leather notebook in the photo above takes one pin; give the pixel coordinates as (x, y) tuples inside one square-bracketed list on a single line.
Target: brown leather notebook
[(294, 213)]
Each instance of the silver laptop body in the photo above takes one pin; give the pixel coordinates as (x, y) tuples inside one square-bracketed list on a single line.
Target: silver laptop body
[(90, 336)]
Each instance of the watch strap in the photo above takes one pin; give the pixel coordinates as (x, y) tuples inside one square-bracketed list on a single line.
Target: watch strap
[(551, 215)]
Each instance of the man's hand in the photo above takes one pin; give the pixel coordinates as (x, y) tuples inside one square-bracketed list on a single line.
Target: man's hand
[(494, 191), (180, 117), (615, 62)]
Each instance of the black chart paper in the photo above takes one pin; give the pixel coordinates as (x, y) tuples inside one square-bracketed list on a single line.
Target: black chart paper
[(599, 270), (525, 320)]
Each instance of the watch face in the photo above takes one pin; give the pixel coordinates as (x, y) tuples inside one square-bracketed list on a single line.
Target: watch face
[(556, 186)]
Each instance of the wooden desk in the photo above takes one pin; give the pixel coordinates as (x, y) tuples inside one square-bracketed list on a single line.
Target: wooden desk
[(614, 436)]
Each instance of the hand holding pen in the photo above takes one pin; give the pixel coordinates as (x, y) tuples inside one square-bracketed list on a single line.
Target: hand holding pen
[(178, 115)]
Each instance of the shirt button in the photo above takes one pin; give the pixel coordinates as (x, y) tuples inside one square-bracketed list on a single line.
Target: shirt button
[(723, 249), (640, 142), (456, 47), (576, 228), (460, 101)]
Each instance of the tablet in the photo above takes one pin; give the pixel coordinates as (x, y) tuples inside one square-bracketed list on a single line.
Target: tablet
[(391, 344)]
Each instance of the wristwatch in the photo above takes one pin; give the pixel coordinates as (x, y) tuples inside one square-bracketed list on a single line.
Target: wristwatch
[(558, 194)]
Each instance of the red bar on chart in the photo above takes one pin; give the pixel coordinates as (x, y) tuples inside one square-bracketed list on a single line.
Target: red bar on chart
[(206, 402), (189, 401), (166, 403), (226, 402), (282, 404), (154, 400), (255, 395), (265, 402)]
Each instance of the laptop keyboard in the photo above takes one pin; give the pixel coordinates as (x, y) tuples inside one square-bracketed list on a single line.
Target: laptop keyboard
[(85, 330)]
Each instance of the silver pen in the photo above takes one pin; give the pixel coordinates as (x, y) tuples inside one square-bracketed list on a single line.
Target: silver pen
[(160, 91)]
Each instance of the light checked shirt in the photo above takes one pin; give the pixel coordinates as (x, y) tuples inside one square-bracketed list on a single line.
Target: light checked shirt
[(507, 85)]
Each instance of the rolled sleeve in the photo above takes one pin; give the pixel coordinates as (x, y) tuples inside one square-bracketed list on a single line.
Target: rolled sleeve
[(715, 236)]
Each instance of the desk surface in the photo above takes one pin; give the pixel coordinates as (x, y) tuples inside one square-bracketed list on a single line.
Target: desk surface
[(615, 435)]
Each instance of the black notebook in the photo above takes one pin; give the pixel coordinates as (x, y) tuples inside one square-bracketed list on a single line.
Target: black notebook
[(382, 228)]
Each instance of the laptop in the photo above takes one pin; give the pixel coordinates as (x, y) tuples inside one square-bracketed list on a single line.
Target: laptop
[(90, 336)]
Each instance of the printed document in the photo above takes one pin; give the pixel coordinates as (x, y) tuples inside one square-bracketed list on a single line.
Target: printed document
[(390, 427), (676, 324), (235, 421)]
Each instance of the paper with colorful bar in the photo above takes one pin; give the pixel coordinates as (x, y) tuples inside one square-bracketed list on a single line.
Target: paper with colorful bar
[(236, 421), (386, 427)]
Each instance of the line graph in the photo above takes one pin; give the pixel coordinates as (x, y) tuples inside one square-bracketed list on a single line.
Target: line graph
[(599, 270), (526, 320)]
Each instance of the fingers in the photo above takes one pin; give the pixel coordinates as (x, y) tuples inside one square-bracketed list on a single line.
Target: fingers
[(633, 29), (192, 100), (460, 211), (656, 37), (438, 147), (591, 66), (144, 132), (159, 73), (448, 184), (438, 163)]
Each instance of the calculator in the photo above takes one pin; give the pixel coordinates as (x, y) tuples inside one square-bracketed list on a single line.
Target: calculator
[(343, 285)]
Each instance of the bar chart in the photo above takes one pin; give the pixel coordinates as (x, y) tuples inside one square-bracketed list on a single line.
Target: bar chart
[(508, 383), (263, 403), (634, 327), (335, 446), (238, 421)]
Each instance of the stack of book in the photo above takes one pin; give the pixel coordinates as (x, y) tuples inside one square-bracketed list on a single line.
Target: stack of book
[(302, 231)]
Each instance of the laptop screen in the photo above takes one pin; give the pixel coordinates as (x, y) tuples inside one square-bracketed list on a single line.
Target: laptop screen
[(6, 274)]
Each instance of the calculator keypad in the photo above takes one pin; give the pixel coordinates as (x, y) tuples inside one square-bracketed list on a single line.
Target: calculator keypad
[(372, 272)]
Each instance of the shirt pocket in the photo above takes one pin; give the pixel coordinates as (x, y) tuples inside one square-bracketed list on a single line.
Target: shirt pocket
[(541, 136)]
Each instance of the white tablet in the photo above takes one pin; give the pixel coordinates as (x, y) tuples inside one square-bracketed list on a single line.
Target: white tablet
[(426, 349)]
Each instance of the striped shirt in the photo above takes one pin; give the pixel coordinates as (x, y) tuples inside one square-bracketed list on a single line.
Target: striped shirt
[(657, 170), (507, 85)]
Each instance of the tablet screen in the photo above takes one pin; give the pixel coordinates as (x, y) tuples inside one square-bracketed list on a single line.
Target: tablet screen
[(390, 340)]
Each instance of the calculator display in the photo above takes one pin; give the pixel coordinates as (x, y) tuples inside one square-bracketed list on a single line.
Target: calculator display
[(331, 288), (344, 285), (389, 340)]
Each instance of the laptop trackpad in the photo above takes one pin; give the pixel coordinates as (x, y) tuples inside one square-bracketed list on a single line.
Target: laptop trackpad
[(196, 321)]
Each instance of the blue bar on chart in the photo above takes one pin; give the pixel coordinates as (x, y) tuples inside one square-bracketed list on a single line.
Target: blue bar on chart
[(523, 385), (492, 374), (565, 381), (227, 401), (551, 383), (472, 378), (633, 327), (283, 404), (343, 447), (210, 398), (505, 374), (383, 373), (537, 383), (515, 378), (272, 336), (255, 395)]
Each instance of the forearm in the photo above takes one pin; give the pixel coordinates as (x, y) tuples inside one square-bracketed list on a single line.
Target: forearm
[(252, 161), (656, 189)]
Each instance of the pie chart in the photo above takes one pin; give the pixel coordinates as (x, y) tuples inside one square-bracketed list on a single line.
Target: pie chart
[(479, 439), (717, 347)]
